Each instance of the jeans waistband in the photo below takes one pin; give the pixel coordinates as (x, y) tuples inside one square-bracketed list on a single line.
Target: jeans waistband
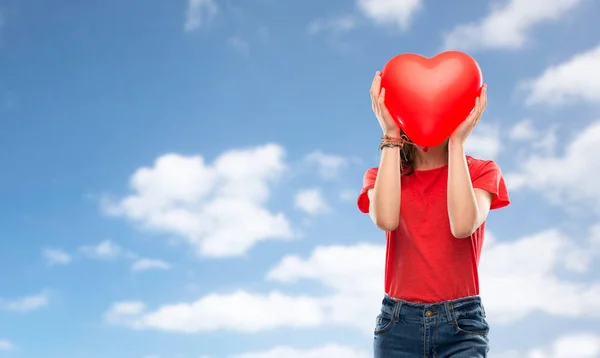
[(446, 311)]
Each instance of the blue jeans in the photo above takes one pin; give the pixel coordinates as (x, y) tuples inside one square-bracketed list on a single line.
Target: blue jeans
[(456, 329)]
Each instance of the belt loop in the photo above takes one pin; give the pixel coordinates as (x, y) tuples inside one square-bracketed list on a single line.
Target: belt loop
[(396, 313), (449, 315)]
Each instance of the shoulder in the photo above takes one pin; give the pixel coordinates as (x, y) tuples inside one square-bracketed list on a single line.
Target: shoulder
[(478, 165)]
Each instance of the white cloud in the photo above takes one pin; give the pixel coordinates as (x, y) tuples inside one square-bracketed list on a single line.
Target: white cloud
[(572, 81), (354, 274), (576, 345), (328, 351), (335, 25), (329, 166), (238, 311), (6, 345), (219, 208), (104, 250), (394, 12), (382, 12), (523, 130), (145, 264), (198, 13), (25, 304), (569, 178), (311, 201), (484, 142), (538, 140), (507, 26), (56, 256), (517, 278)]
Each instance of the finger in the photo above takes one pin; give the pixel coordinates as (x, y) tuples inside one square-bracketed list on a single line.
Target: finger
[(381, 99), (479, 112), (375, 85), (476, 107), (484, 97), (476, 122), (378, 84)]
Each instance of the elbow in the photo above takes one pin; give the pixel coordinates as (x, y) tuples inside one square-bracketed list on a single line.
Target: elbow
[(462, 231), (386, 224), (463, 234)]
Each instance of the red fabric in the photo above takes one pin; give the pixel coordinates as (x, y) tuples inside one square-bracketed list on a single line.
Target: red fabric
[(424, 261)]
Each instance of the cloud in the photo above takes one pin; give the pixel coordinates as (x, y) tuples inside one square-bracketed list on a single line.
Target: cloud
[(484, 142), (568, 178), (105, 250), (56, 256), (576, 80), (517, 278), (219, 208), (523, 130), (199, 13), (6, 345), (538, 141), (575, 345), (390, 12), (238, 311), (331, 350), (328, 166), (311, 201), (520, 277), (507, 27), (25, 304), (149, 264), (354, 274)]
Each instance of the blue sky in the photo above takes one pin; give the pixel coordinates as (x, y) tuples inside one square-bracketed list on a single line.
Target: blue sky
[(180, 177)]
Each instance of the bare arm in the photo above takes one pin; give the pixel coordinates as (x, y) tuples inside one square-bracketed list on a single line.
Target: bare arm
[(467, 207), (384, 207)]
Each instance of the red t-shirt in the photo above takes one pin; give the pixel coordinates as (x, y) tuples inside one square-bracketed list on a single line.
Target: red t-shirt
[(424, 261)]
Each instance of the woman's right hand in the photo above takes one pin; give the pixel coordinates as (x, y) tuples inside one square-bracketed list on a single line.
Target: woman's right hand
[(387, 123)]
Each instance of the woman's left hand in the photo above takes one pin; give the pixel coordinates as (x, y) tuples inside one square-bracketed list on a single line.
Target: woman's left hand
[(461, 132)]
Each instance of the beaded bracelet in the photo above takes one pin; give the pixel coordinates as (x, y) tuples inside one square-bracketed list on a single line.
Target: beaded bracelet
[(390, 145)]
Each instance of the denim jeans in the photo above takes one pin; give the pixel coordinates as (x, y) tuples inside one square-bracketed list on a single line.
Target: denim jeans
[(456, 329)]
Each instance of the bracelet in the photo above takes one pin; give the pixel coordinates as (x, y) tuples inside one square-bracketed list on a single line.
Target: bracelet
[(390, 145), (393, 139)]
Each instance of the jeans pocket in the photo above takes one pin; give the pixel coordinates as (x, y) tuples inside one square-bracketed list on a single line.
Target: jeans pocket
[(382, 323), (472, 324)]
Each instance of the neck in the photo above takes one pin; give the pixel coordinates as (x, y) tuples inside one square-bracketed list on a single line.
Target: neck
[(434, 157)]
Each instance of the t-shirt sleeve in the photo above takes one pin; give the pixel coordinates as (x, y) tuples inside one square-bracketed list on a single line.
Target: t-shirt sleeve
[(363, 201), (489, 178)]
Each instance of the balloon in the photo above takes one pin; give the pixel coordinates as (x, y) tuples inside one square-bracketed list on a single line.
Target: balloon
[(430, 97)]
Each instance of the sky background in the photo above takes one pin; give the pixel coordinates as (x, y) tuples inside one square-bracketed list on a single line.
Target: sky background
[(180, 178)]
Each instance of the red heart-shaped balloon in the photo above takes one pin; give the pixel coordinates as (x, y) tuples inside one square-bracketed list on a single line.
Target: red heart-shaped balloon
[(430, 97)]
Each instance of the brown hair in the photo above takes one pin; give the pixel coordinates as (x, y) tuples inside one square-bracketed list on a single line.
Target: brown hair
[(408, 156)]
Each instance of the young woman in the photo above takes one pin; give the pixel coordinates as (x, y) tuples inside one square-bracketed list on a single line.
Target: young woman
[(432, 204)]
